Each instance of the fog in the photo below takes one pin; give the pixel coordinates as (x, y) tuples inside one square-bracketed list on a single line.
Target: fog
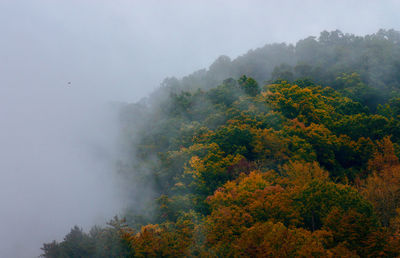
[(62, 62)]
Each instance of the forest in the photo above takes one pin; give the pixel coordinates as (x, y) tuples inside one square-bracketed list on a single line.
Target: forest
[(285, 151)]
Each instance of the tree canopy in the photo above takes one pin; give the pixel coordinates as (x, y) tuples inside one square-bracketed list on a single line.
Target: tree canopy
[(288, 150)]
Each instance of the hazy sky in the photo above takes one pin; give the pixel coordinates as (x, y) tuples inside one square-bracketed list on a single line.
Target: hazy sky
[(56, 140), (123, 49)]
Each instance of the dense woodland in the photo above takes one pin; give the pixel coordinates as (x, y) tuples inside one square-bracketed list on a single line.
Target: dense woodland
[(288, 150)]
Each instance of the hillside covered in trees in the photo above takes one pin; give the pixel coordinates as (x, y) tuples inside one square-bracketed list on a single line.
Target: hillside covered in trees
[(288, 150)]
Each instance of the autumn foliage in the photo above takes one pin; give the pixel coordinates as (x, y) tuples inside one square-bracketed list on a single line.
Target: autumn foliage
[(290, 168), (315, 184)]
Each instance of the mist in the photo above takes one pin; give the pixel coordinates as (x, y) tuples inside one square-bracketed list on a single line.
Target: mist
[(63, 62)]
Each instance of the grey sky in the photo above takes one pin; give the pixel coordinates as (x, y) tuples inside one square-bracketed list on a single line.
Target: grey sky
[(51, 133), (123, 49)]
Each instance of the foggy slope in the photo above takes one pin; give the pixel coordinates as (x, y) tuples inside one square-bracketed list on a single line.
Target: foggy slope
[(59, 141)]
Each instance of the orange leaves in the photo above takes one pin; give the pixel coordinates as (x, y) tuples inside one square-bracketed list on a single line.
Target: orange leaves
[(258, 197), (165, 240), (197, 164), (268, 239), (384, 157), (261, 179), (227, 223), (275, 240), (269, 146), (300, 173), (349, 227), (382, 187), (145, 243)]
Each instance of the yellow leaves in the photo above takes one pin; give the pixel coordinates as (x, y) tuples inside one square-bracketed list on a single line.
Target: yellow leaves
[(258, 197), (384, 157), (227, 222), (149, 229), (197, 164), (236, 159), (237, 191), (309, 105), (270, 239), (382, 187), (212, 170), (146, 242), (164, 240), (253, 182), (302, 173)]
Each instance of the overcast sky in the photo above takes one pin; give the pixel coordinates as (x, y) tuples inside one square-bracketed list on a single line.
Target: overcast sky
[(123, 49), (53, 135)]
